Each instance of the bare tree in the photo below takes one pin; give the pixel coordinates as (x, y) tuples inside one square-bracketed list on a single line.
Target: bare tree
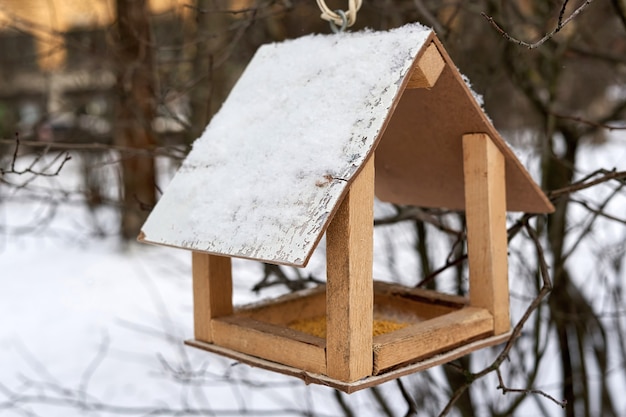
[(135, 112), (552, 75)]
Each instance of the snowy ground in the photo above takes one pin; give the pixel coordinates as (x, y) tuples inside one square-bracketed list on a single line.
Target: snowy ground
[(91, 328), (88, 327)]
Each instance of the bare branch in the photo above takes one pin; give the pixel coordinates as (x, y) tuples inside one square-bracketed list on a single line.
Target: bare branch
[(49, 170), (226, 11), (404, 213), (275, 271), (560, 24), (584, 183), (412, 407), (517, 330), (506, 390), (449, 264), (588, 122), (175, 152), (595, 214), (88, 373), (598, 211)]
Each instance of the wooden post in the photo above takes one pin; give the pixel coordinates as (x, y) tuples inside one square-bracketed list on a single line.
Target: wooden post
[(350, 288), (212, 292), (485, 209)]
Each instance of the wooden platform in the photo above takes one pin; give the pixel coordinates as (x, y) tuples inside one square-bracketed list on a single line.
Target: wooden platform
[(436, 328), (350, 387)]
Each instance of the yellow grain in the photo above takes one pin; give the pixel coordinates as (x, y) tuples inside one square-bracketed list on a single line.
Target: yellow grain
[(316, 326)]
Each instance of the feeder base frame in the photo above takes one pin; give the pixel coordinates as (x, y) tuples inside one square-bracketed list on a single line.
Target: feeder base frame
[(350, 387), (437, 328)]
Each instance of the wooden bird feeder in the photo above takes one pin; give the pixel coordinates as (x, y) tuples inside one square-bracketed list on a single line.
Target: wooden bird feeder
[(313, 129)]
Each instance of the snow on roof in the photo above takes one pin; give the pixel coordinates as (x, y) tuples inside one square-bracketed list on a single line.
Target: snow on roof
[(264, 177)]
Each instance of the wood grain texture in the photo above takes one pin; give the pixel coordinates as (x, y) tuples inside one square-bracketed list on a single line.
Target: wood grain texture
[(212, 292), (418, 146), (419, 159), (419, 301), (300, 305), (350, 387), (275, 343), (485, 190), (430, 337), (268, 173), (428, 69), (349, 288)]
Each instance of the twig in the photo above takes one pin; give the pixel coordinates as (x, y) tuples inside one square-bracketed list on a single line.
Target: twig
[(404, 213), (455, 397), (31, 169), (583, 184), (347, 411), (223, 11), (561, 14), (598, 212), (587, 122), (506, 390), (88, 373), (276, 271), (560, 24), (381, 401), (595, 214), (449, 263), (517, 330), (412, 410), (72, 401), (172, 152), (430, 19)]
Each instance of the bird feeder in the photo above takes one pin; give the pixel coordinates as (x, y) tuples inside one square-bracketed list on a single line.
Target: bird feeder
[(312, 131)]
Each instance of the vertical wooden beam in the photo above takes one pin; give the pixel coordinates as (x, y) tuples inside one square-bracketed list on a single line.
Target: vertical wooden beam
[(485, 208), (350, 288), (212, 292)]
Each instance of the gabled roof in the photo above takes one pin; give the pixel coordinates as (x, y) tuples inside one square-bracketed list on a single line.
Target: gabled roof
[(264, 179)]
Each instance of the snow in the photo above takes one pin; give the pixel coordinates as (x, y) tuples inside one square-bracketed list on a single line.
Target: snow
[(90, 328), (273, 163), (100, 327)]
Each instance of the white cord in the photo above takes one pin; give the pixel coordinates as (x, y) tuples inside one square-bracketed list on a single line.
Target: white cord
[(336, 18)]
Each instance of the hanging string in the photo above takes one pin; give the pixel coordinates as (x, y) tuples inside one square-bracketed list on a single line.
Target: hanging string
[(340, 19)]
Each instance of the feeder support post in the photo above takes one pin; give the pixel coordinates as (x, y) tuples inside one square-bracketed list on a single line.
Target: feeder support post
[(350, 288), (485, 210), (212, 292)]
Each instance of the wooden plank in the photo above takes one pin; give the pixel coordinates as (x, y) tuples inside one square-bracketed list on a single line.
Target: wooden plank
[(314, 171), (349, 288), (485, 208), (275, 343), (430, 337), (212, 292), (420, 294), (428, 69), (426, 303), (350, 387), (406, 310), (419, 159), (290, 307)]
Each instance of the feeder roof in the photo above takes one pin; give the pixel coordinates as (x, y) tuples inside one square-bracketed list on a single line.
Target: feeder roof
[(264, 179)]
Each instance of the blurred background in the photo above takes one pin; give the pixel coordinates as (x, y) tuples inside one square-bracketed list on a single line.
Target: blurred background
[(100, 100)]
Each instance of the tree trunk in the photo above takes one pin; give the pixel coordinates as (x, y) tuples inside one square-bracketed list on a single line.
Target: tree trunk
[(211, 81), (135, 112)]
